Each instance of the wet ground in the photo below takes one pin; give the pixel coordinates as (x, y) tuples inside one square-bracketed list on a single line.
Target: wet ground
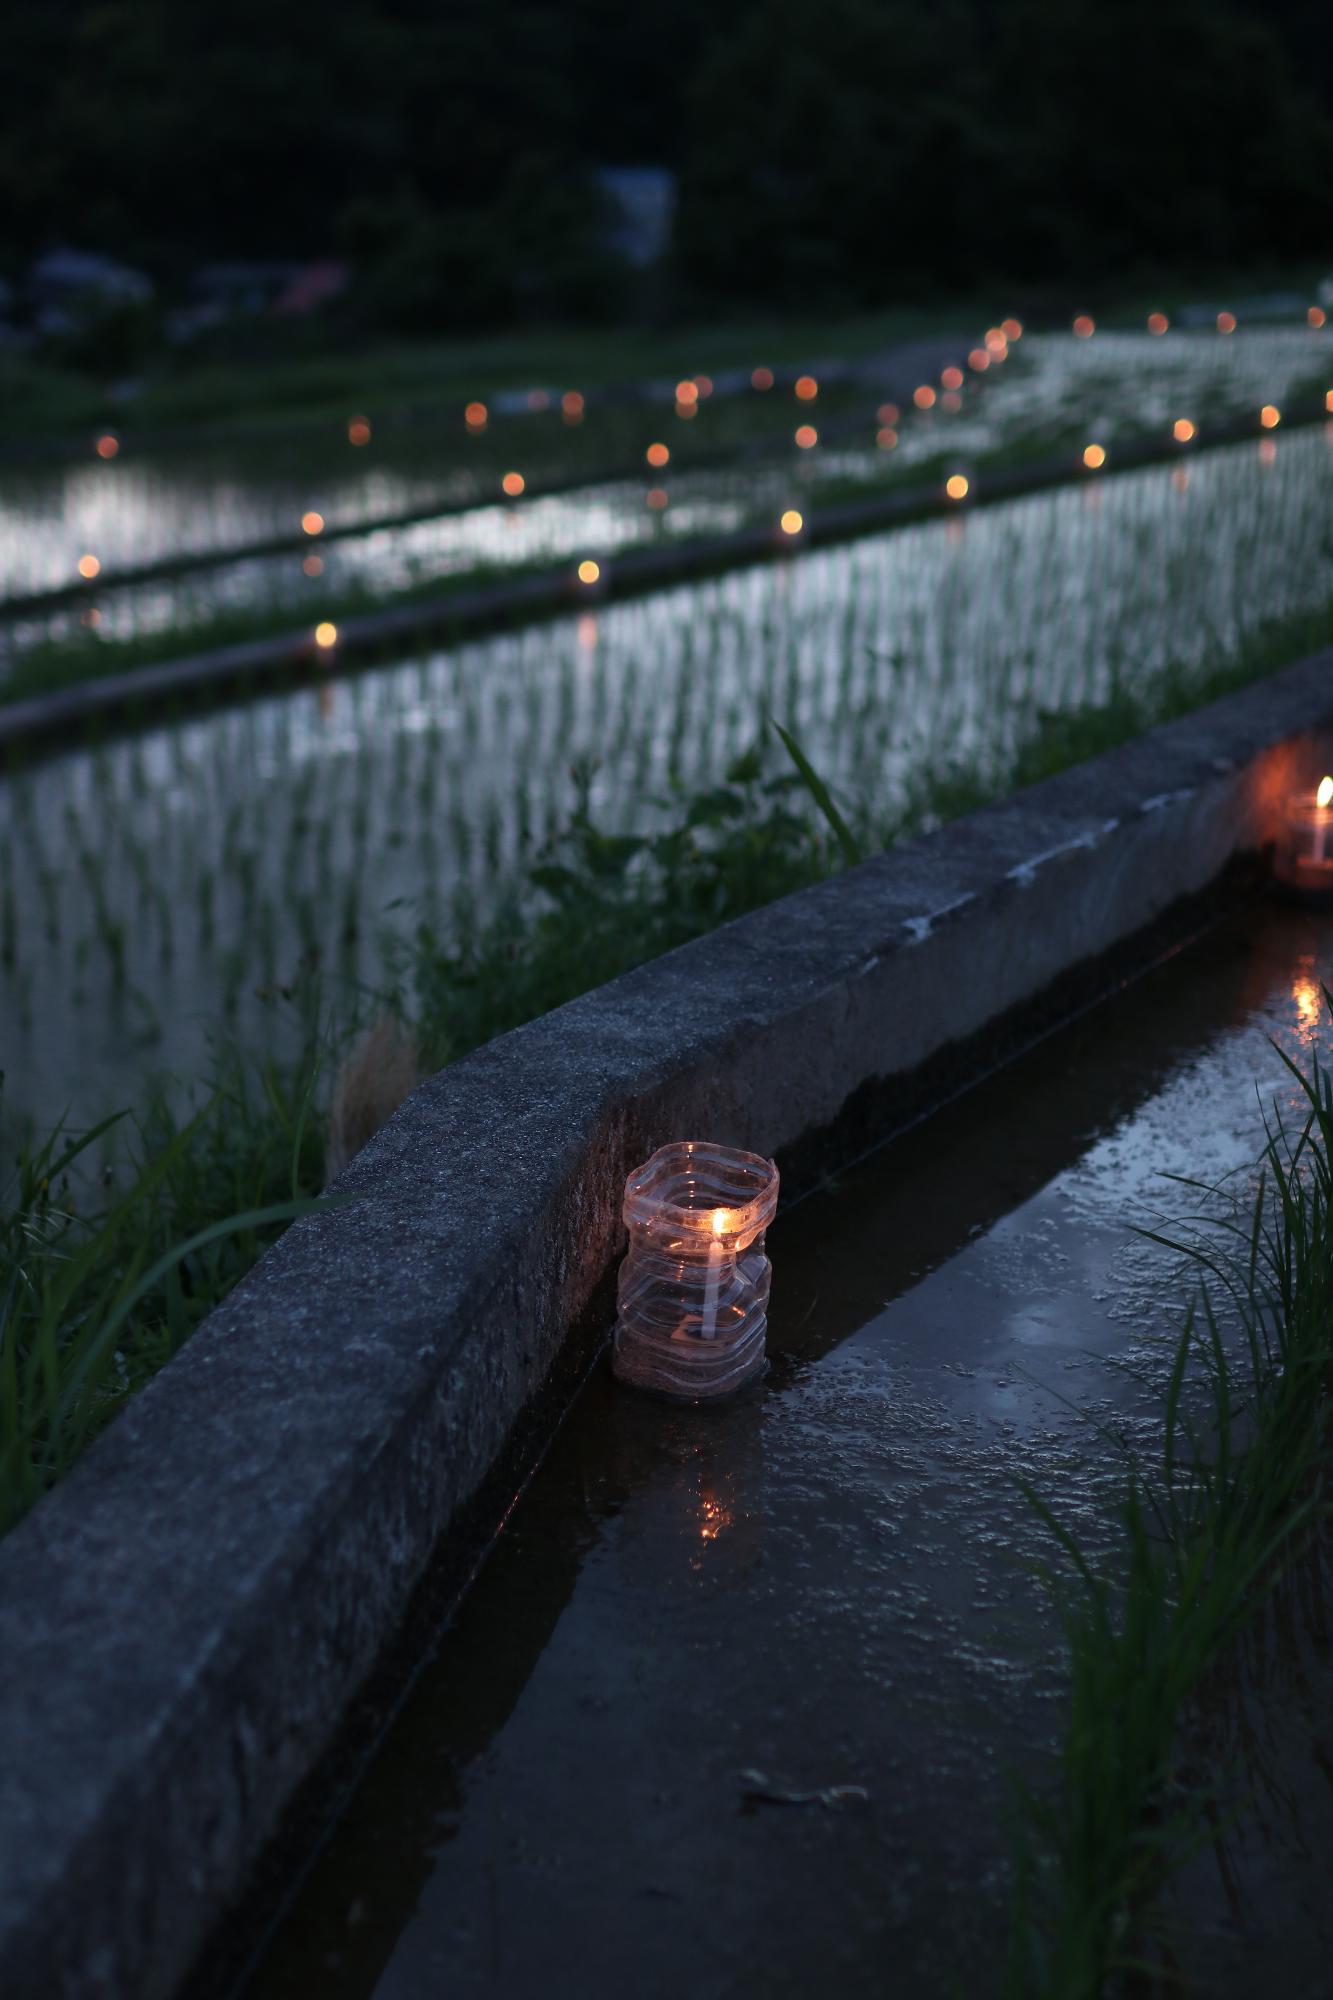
[(824, 1585)]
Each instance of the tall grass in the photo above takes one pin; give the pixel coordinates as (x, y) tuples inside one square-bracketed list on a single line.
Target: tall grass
[(106, 1269), (1205, 1533)]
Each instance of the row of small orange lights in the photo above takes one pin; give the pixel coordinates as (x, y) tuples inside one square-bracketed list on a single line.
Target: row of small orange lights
[(957, 487), (1085, 326), (688, 393)]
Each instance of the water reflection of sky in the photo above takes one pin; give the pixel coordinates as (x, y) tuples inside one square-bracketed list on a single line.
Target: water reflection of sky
[(215, 846), (130, 511)]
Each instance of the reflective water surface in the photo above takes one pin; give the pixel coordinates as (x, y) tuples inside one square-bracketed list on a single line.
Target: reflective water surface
[(825, 1584), (149, 890)]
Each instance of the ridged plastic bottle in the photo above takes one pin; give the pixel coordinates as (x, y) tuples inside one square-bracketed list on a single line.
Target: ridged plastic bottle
[(693, 1293)]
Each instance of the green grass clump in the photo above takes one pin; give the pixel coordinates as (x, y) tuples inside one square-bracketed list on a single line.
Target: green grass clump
[(106, 1271), (599, 904), (1205, 1535)]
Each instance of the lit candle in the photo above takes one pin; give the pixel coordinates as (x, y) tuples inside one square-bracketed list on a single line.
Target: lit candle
[(708, 1322), (1303, 851), (1323, 798)]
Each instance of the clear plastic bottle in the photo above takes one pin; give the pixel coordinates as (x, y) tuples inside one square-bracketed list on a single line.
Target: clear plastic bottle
[(693, 1295)]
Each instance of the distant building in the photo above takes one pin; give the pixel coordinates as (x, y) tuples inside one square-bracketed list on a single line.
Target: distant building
[(641, 206)]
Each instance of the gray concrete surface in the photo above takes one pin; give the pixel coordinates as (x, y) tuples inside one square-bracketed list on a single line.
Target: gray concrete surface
[(186, 1617)]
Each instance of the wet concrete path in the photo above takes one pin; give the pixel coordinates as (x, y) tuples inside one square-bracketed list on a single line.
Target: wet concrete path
[(824, 1583)]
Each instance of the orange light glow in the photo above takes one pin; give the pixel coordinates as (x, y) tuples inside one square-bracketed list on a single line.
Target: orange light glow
[(952, 378), (358, 431), (326, 634), (791, 522), (996, 345), (313, 565), (1180, 479), (571, 406), (1085, 326), (956, 486), (587, 631), (924, 397), (658, 454), (1270, 416), (1323, 797), (1182, 430), (312, 523), (807, 388), (1309, 1003), (806, 436), (1328, 399), (978, 360), (704, 384), (90, 616), (1316, 317), (1158, 322), (108, 445), (1012, 329), (761, 378), (951, 401), (1094, 456), (657, 497), (687, 392), (886, 437), (89, 566), (513, 484), (589, 571), (1268, 451), (888, 413), (1226, 322), (713, 1518), (474, 416), (687, 410)]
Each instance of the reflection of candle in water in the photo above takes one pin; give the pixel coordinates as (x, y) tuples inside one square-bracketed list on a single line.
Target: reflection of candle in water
[(708, 1324), (1323, 798)]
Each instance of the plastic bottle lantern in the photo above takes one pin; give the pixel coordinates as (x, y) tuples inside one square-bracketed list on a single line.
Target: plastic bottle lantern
[(1303, 857), (693, 1293)]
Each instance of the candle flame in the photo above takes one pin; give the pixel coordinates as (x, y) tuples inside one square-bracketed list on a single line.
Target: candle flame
[(1324, 796), (722, 1216)]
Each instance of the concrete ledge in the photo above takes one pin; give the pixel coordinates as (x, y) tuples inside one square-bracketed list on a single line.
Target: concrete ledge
[(184, 1620), (141, 692)]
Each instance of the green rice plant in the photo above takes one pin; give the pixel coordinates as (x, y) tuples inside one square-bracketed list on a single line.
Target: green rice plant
[(1205, 1533), (599, 903), (104, 1276)]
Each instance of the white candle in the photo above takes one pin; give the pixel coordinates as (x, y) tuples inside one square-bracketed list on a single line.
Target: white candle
[(708, 1324), (1322, 798)]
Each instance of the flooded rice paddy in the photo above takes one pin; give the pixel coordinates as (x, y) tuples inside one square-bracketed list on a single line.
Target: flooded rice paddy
[(123, 512), (153, 890), (689, 1614)]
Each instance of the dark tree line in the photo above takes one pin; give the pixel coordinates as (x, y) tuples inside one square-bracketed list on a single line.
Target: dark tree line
[(849, 152)]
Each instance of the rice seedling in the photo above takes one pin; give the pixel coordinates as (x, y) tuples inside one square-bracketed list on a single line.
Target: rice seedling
[(1205, 1533)]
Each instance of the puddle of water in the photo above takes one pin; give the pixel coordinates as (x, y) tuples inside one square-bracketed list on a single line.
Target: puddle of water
[(153, 887), (823, 1582)]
